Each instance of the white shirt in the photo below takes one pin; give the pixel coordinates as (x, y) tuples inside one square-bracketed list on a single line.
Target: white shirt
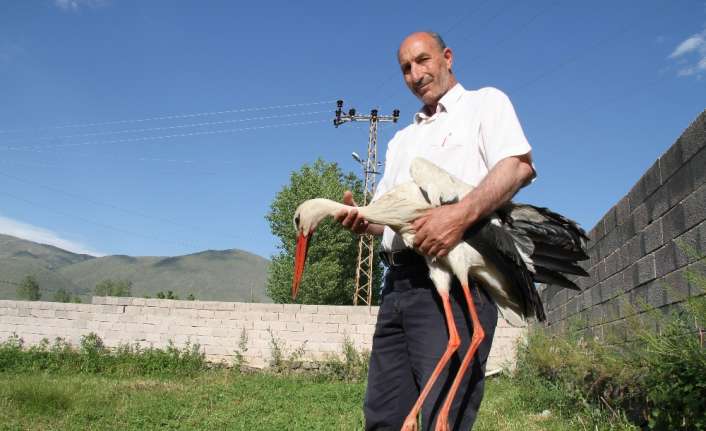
[(468, 134)]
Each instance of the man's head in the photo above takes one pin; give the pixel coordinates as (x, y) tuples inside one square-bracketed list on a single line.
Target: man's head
[(425, 62)]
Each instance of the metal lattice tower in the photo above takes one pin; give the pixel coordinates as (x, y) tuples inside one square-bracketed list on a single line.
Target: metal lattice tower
[(366, 243)]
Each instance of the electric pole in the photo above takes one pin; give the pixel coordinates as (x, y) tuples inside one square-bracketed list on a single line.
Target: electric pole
[(366, 243)]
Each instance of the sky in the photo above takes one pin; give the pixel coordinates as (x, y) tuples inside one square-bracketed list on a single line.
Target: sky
[(165, 128)]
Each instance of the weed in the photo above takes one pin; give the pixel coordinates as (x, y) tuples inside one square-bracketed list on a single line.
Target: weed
[(655, 374)]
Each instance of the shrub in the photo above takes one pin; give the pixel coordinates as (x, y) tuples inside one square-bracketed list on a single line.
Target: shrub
[(657, 378), (93, 357)]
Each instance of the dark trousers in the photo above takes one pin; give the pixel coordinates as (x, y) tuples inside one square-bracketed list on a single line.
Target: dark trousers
[(410, 337)]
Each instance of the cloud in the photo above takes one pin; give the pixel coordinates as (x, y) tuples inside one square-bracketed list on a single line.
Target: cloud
[(74, 5), (43, 236), (690, 55)]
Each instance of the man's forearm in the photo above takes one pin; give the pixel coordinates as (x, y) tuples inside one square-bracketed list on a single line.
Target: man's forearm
[(375, 229), (498, 187)]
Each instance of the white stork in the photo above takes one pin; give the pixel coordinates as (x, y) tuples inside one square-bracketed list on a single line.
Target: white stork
[(506, 252)]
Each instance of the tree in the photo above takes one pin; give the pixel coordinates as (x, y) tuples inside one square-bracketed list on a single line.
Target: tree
[(29, 289), (62, 295), (114, 288), (168, 295), (329, 277)]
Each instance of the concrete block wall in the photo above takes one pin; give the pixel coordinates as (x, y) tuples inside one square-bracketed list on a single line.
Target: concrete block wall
[(216, 326), (643, 247)]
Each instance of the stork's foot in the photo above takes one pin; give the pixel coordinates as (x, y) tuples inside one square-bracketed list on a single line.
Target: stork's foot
[(410, 423), (442, 423)]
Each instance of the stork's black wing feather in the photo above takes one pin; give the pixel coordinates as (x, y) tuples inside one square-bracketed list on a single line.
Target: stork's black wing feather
[(498, 246), (558, 242)]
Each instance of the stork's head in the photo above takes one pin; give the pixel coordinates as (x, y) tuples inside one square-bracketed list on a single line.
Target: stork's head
[(306, 218)]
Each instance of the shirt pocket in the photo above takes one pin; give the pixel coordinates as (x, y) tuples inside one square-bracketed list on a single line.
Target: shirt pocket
[(451, 152)]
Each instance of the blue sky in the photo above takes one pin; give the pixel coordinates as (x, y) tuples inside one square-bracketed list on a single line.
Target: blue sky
[(167, 127)]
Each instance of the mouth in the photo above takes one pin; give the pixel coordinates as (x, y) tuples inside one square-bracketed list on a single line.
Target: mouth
[(422, 88), (299, 261)]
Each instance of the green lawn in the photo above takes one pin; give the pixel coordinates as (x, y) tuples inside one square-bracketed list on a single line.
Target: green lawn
[(224, 400)]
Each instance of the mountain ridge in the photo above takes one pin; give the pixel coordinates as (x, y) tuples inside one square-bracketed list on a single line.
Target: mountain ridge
[(220, 275)]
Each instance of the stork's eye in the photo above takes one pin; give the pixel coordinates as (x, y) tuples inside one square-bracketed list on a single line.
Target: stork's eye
[(296, 220)]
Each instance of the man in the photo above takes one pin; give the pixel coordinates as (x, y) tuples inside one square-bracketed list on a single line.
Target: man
[(474, 135)]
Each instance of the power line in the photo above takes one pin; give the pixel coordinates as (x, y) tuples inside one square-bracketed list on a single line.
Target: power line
[(519, 28), (102, 225), (179, 126), (109, 205), (449, 29), (620, 33), (176, 116), (39, 148)]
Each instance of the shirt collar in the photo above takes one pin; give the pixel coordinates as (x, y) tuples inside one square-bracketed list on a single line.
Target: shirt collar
[(447, 102)]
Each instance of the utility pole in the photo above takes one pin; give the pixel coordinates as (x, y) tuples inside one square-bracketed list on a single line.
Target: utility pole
[(366, 243)]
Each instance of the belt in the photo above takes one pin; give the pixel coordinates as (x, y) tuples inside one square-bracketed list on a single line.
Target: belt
[(402, 258)]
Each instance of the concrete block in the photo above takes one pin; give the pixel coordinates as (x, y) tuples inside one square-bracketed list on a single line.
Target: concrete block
[(671, 161), (697, 166), (294, 326), (622, 210), (288, 317), (695, 207), (269, 308), (665, 259), (338, 318), (303, 317), (657, 204), (656, 295), (644, 270), (674, 222), (679, 185), (206, 314), (609, 221), (215, 305), (652, 236), (696, 273), (694, 137), (309, 309), (221, 314), (675, 286), (635, 250), (611, 263), (640, 217), (268, 316)]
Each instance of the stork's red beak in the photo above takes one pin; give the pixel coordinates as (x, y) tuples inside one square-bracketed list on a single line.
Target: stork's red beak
[(299, 261)]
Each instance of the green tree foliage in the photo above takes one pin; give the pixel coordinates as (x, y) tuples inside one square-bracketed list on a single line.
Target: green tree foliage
[(62, 295), (168, 295), (329, 277), (114, 288), (29, 289)]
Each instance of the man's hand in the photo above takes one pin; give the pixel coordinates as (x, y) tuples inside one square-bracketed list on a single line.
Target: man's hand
[(350, 219), (440, 229)]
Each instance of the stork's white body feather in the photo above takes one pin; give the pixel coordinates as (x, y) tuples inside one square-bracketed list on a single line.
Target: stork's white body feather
[(406, 202)]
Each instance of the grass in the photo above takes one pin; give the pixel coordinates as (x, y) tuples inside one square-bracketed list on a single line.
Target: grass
[(211, 400), (223, 399)]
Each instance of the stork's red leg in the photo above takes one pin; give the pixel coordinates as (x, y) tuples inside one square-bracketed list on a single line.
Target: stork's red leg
[(442, 423), (410, 423)]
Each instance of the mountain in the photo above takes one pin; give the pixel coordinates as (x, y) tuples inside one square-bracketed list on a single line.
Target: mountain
[(227, 275)]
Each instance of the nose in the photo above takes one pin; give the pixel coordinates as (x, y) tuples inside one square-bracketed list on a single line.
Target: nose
[(416, 73)]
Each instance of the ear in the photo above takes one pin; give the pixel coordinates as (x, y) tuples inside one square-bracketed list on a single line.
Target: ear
[(449, 57)]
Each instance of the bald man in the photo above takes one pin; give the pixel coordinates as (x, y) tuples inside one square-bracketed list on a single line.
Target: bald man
[(476, 136)]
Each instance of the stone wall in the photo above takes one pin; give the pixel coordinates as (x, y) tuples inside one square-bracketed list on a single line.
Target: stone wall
[(216, 326), (643, 247)]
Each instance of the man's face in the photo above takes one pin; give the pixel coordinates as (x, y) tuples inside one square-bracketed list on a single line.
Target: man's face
[(426, 68)]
